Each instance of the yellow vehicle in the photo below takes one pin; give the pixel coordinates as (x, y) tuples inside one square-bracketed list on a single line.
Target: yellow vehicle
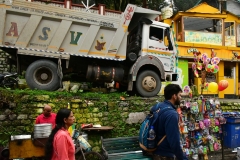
[(22, 146)]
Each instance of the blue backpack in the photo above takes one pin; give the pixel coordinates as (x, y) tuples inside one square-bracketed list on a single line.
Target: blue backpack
[(149, 121)]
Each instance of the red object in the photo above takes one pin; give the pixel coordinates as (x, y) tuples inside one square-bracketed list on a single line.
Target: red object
[(86, 126), (42, 119), (117, 85), (222, 85)]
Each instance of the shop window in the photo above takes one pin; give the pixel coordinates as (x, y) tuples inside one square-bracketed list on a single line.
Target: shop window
[(202, 24), (230, 38), (203, 30), (238, 35), (229, 29), (229, 69)]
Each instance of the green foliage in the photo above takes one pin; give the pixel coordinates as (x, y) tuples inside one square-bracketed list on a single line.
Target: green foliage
[(157, 4), (88, 107), (183, 5)]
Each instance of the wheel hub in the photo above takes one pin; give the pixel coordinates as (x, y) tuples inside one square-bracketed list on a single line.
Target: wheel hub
[(44, 76), (149, 83)]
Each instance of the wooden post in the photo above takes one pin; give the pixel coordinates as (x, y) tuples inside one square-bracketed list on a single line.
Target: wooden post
[(223, 32), (235, 32), (144, 3), (101, 9), (68, 4), (183, 32)]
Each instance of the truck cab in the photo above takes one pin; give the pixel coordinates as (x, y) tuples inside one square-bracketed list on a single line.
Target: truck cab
[(150, 48)]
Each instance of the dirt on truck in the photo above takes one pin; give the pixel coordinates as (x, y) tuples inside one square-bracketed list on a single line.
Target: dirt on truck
[(49, 42)]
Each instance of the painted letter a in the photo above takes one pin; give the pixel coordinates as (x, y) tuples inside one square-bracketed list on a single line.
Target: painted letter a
[(75, 41), (13, 30)]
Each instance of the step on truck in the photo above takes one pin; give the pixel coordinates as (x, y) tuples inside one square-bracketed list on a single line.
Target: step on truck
[(49, 42)]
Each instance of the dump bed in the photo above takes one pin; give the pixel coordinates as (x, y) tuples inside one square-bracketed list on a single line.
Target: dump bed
[(49, 31)]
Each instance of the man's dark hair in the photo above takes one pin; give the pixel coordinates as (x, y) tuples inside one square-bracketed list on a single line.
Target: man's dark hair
[(170, 90)]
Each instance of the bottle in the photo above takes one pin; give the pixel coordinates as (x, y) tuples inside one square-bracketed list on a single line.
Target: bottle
[(151, 138)]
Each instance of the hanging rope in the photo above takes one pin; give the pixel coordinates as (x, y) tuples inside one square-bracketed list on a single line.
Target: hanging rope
[(59, 70), (177, 51)]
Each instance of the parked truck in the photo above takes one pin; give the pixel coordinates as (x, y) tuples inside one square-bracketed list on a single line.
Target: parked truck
[(48, 42)]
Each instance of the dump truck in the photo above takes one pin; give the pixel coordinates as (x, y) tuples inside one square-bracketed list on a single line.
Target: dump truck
[(48, 42)]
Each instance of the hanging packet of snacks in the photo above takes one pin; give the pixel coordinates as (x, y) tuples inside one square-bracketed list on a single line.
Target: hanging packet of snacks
[(200, 128)]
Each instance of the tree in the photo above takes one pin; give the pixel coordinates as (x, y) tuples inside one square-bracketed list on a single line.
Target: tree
[(183, 5), (120, 5), (157, 4)]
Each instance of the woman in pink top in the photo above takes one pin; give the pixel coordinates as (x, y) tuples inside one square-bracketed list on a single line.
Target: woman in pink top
[(60, 145)]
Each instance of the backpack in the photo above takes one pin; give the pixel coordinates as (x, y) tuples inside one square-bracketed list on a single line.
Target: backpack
[(149, 121)]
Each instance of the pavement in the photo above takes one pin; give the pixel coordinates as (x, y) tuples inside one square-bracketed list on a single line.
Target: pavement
[(227, 155)]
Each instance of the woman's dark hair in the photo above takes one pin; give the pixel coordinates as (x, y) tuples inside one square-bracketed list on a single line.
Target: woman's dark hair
[(62, 113), (170, 90)]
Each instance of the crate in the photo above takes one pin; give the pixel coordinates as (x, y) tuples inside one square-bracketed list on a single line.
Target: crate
[(231, 133)]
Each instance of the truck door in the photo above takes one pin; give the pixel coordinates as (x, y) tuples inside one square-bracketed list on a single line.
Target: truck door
[(159, 45), (157, 39)]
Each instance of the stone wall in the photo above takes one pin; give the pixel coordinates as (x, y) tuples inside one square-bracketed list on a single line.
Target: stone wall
[(18, 110), (3, 61), (18, 113)]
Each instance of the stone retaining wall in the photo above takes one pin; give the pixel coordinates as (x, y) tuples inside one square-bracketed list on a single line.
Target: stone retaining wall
[(3, 61), (18, 113)]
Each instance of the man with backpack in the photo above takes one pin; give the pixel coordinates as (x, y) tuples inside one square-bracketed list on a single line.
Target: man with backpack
[(166, 126)]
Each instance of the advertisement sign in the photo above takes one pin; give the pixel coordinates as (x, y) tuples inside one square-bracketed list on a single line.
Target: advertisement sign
[(203, 37), (182, 75), (230, 41)]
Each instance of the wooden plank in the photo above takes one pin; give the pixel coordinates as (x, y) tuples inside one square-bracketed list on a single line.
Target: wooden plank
[(86, 46), (119, 145), (2, 24), (130, 156), (122, 150), (28, 31), (121, 138), (121, 142), (59, 36), (103, 128)]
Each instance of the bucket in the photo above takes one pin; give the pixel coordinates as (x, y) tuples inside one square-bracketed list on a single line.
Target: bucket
[(85, 136), (84, 144), (42, 130)]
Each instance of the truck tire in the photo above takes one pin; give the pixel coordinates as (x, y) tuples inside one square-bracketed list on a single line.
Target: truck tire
[(148, 83), (42, 74)]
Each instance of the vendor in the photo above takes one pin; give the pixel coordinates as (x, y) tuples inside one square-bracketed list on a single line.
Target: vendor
[(47, 116)]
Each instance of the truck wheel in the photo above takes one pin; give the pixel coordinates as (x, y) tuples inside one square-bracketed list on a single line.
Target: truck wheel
[(42, 74), (148, 83)]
